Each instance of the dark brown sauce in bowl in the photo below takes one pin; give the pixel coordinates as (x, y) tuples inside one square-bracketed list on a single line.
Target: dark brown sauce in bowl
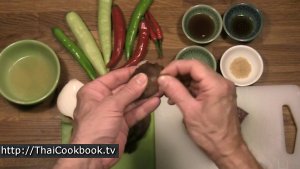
[(242, 26), (201, 26)]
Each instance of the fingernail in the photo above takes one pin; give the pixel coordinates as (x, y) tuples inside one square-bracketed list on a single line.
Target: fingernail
[(140, 78)]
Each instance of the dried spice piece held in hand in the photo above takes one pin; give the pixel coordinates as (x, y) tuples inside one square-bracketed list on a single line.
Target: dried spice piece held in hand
[(139, 130), (152, 70)]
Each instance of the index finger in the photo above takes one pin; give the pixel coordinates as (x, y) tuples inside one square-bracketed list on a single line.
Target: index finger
[(115, 78), (198, 71)]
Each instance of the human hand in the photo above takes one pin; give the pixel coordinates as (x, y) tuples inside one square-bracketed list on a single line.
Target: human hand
[(209, 109), (107, 108)]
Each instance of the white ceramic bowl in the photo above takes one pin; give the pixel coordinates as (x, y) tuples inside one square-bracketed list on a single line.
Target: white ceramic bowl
[(234, 55)]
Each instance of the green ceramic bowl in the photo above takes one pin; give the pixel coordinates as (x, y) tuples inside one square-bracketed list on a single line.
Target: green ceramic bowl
[(29, 72), (199, 53), (202, 24), (243, 22)]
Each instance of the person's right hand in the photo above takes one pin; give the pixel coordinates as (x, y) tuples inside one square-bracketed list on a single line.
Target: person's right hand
[(209, 110)]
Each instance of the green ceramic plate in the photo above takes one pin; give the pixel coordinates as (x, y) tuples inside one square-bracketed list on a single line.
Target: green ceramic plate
[(199, 53), (29, 72)]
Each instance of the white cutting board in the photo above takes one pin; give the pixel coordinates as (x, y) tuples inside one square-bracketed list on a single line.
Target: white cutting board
[(262, 130)]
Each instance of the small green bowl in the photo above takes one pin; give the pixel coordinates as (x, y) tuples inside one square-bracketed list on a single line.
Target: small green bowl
[(213, 30), (29, 72), (243, 22), (199, 53)]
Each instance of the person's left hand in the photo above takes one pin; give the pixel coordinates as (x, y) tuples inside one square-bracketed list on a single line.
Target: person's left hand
[(107, 108)]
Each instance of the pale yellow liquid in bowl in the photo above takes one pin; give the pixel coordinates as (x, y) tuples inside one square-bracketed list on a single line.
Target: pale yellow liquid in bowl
[(30, 78)]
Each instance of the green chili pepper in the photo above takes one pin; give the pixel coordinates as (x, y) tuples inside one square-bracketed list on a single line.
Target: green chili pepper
[(136, 17), (76, 52)]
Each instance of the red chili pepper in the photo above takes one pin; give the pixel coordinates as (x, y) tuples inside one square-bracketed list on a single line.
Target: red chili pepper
[(155, 25), (118, 22), (153, 36), (141, 47), (157, 31)]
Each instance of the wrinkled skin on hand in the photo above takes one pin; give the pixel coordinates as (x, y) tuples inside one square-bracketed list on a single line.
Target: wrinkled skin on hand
[(153, 70), (208, 105), (209, 108), (107, 108)]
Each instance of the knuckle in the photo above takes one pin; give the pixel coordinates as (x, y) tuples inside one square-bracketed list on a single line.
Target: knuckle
[(229, 86), (226, 88), (130, 90), (134, 89)]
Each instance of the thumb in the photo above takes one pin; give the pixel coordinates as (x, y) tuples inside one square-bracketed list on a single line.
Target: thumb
[(175, 91), (131, 91)]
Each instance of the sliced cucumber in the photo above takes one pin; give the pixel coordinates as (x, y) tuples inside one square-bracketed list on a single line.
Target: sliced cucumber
[(86, 42)]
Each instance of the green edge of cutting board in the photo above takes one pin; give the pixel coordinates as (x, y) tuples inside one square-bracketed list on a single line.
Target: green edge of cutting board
[(143, 157)]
